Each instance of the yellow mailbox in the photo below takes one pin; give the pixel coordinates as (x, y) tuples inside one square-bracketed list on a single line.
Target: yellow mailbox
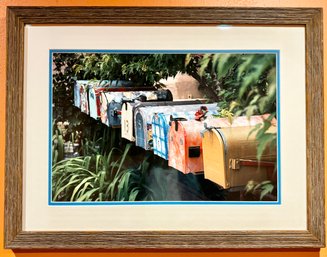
[(229, 156)]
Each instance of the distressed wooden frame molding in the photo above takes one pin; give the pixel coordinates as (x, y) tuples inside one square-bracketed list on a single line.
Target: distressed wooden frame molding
[(310, 18)]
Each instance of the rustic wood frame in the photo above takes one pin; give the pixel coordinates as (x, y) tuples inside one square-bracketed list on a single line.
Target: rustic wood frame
[(310, 18)]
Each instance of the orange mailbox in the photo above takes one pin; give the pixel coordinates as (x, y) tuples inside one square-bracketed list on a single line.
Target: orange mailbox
[(229, 156), (185, 148)]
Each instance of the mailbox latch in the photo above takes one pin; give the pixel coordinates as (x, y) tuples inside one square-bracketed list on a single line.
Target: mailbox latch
[(194, 151), (234, 164)]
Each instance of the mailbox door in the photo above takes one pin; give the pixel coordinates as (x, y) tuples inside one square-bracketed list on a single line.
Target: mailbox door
[(144, 137), (114, 114), (93, 104), (103, 109), (77, 94), (160, 128), (84, 101), (98, 100), (109, 98), (139, 130), (148, 144), (214, 158), (176, 153), (127, 124)]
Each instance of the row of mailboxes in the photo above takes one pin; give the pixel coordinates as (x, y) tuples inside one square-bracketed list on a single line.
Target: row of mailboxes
[(143, 120), (129, 109), (87, 95), (111, 103), (148, 125), (103, 99), (225, 151)]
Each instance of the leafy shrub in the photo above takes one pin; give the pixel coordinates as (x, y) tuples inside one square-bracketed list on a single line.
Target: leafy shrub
[(87, 178)]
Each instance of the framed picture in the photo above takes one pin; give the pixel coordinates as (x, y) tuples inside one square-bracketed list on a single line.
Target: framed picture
[(164, 128)]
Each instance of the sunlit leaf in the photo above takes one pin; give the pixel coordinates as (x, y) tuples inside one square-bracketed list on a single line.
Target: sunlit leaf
[(204, 63), (265, 141), (266, 189)]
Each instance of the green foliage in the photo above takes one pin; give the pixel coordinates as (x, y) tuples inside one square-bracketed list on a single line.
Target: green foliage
[(130, 184), (57, 144), (63, 109), (105, 178), (101, 142), (224, 113), (264, 188), (263, 136), (87, 178), (142, 69), (244, 83)]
